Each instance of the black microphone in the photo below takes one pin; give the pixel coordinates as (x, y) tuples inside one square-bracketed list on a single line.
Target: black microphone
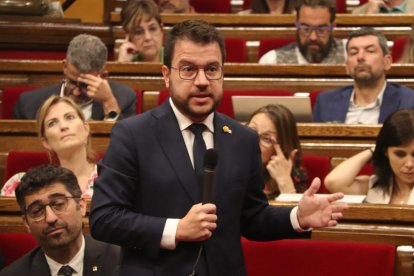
[(210, 163)]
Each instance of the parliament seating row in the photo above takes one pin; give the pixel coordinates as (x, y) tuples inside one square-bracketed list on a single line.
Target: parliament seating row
[(35, 39), (237, 76), (228, 6), (275, 257), (383, 231)]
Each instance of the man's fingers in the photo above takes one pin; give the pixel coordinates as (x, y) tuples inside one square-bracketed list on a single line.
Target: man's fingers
[(314, 187)]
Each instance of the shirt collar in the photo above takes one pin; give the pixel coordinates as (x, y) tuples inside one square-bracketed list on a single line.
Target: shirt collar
[(377, 102), (76, 263), (184, 122)]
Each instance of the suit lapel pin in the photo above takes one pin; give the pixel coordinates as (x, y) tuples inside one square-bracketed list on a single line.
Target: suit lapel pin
[(226, 129), (94, 268)]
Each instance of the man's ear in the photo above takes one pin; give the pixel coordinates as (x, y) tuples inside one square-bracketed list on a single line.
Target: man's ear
[(64, 64), (387, 62), (166, 75), (82, 205)]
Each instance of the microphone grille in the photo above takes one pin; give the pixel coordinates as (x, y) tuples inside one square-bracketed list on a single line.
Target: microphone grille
[(210, 159)]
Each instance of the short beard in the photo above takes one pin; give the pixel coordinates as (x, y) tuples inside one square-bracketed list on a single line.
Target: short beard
[(318, 55)]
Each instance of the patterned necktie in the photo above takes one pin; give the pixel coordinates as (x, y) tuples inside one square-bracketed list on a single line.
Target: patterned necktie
[(65, 271), (199, 147)]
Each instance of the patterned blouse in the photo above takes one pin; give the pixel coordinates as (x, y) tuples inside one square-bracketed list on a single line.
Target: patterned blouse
[(11, 184)]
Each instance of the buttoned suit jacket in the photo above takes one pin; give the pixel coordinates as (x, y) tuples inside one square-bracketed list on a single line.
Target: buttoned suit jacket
[(100, 259), (332, 106), (146, 177), (363, 8), (29, 102)]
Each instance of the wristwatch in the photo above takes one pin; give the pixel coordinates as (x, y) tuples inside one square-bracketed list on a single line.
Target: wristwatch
[(112, 114)]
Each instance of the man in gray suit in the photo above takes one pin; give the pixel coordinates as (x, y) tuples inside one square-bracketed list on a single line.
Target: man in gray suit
[(50, 199), (84, 80)]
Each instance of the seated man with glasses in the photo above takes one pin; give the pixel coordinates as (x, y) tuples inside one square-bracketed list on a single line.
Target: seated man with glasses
[(52, 210), (84, 80), (314, 40)]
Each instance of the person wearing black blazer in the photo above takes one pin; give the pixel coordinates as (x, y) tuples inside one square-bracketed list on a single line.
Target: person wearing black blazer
[(147, 196), (52, 208), (85, 82)]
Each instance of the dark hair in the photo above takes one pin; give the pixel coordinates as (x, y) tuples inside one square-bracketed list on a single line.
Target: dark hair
[(366, 31), (285, 124), (43, 176), (397, 130), (134, 11), (329, 4), (197, 31), (261, 6)]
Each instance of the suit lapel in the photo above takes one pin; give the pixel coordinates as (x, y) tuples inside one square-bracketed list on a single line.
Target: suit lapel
[(342, 105), (390, 102), (40, 265), (172, 143)]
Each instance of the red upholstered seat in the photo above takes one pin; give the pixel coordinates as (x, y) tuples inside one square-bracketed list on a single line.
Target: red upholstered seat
[(398, 48), (317, 166), (138, 104), (10, 97), (211, 6), (15, 245), (268, 44), (340, 6), (313, 95), (21, 161), (315, 258), (236, 49), (35, 55)]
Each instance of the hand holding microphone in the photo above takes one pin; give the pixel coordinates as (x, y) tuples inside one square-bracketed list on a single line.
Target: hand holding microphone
[(200, 222)]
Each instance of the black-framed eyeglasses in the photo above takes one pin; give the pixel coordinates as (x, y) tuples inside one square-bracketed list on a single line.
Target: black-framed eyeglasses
[(306, 30), (71, 85), (59, 204), (267, 141), (190, 72)]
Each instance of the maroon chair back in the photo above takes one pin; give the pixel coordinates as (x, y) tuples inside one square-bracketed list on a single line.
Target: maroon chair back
[(398, 48), (32, 55), (340, 6), (317, 166), (21, 161), (15, 245), (236, 49), (268, 44), (313, 95), (315, 258), (211, 6), (138, 104), (10, 97), (246, 4)]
